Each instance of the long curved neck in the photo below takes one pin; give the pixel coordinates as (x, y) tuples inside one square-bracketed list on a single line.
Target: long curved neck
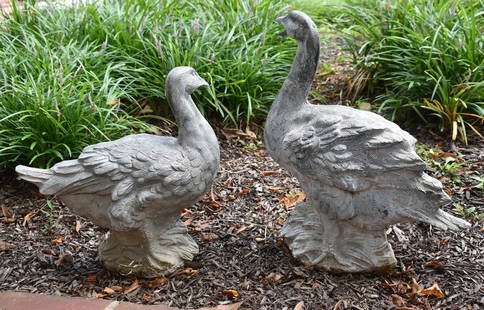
[(295, 89), (193, 128)]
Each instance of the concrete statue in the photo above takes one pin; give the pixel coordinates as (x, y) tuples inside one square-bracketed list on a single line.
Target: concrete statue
[(359, 171), (138, 185)]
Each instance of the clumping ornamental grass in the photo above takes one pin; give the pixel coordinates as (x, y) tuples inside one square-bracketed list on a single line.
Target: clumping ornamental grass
[(70, 77), (422, 55)]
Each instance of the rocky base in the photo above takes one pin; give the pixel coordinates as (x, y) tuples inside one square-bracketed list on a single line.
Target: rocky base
[(147, 254), (336, 246)]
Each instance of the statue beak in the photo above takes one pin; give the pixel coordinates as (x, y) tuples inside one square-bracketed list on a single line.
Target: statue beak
[(279, 20), (203, 83)]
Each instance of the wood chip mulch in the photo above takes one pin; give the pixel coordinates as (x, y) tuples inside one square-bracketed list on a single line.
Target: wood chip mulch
[(45, 249)]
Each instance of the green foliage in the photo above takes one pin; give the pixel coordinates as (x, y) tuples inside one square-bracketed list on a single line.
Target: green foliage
[(448, 165), (425, 56), (468, 212), (480, 183), (74, 76), (51, 212), (319, 10)]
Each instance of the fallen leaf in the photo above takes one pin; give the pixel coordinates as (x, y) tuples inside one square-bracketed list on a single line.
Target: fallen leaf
[(299, 306), (274, 188), (57, 240), (241, 229), (146, 110), (65, 258), (289, 201), (213, 203), (117, 288), (188, 271), (397, 286), (415, 288), (5, 211), (260, 239), (49, 252), (100, 295), (339, 303), (91, 277), (185, 212), (28, 217), (443, 154), (156, 282), (231, 133), (112, 102), (225, 307), (189, 221), (268, 173), (78, 226), (261, 153), (434, 264), (132, 287), (148, 296), (245, 191), (273, 278), (109, 290), (398, 300), (4, 246), (230, 293), (250, 133), (209, 236), (433, 290)]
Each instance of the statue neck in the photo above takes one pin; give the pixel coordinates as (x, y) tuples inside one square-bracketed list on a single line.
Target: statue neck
[(193, 128), (297, 85)]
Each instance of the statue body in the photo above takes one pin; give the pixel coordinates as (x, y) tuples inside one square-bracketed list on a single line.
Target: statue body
[(359, 171), (138, 185)]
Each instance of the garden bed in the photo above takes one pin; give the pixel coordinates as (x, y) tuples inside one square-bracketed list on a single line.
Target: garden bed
[(242, 257), (45, 249)]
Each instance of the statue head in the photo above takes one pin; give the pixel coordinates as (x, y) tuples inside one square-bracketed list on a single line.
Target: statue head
[(297, 25), (185, 78)]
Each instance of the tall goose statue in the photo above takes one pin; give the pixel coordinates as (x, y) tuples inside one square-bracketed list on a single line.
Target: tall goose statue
[(138, 185), (359, 171)]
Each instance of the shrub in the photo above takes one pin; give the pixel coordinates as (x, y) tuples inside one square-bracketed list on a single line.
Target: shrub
[(75, 76), (423, 55)]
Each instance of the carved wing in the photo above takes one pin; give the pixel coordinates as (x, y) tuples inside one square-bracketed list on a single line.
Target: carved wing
[(340, 153), (118, 168)]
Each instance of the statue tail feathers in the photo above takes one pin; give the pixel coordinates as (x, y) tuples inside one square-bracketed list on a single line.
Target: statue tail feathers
[(445, 221), (34, 175)]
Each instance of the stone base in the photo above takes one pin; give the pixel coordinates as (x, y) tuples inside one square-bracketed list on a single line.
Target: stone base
[(148, 254), (333, 245)]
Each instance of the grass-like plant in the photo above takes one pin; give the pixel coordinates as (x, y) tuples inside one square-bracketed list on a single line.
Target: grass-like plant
[(73, 76), (424, 55)]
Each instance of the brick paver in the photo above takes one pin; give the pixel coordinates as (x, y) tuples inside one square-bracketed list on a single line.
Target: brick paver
[(26, 301)]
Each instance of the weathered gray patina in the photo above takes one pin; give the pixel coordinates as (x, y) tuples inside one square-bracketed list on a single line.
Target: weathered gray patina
[(359, 171), (137, 186)]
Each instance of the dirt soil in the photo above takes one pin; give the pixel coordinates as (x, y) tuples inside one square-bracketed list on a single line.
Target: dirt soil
[(46, 249)]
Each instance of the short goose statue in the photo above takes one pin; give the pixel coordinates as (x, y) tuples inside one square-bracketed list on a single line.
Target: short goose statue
[(138, 185), (359, 171)]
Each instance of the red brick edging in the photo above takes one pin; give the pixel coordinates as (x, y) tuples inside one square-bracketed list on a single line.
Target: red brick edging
[(25, 301)]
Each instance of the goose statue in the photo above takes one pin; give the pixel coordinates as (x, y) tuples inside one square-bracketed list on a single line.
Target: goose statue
[(138, 185), (359, 171)]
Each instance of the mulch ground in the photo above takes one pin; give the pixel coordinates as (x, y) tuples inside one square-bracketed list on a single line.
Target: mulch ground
[(46, 249), (242, 257)]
